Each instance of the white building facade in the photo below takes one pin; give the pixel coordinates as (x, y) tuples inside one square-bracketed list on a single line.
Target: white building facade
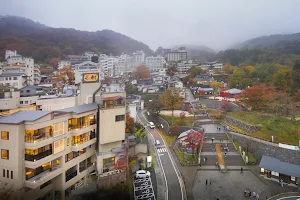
[(138, 58), (16, 63), (155, 63)]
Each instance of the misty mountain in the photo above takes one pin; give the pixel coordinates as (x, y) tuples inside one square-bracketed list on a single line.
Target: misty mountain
[(282, 49), (43, 43), (287, 42)]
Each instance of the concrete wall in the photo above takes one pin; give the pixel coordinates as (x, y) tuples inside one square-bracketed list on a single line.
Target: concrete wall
[(56, 103), (110, 130), (15, 163), (259, 149)]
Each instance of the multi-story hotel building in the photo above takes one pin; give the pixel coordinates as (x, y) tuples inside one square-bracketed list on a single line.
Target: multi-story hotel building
[(49, 154)]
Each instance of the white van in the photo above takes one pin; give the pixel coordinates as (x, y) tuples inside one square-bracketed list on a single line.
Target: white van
[(151, 125), (157, 142)]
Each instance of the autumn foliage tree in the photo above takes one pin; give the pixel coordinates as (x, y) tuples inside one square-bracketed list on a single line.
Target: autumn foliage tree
[(64, 76), (283, 79), (258, 96), (193, 140), (155, 106), (129, 124), (142, 72), (170, 99), (216, 85)]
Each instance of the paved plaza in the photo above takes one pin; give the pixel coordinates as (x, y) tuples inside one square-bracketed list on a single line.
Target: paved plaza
[(225, 186)]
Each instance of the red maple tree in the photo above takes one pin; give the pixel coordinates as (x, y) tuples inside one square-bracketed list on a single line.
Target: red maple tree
[(258, 96), (194, 140)]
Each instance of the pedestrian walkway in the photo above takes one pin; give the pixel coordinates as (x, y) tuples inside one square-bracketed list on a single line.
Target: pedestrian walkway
[(220, 157)]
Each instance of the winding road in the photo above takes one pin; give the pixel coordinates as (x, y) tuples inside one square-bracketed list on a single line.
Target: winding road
[(175, 189)]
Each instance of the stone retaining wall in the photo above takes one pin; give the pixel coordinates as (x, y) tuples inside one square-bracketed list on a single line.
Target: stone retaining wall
[(242, 125), (259, 149)]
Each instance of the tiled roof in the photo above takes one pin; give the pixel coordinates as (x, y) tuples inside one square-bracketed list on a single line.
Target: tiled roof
[(81, 108), (12, 74), (276, 165), (23, 115)]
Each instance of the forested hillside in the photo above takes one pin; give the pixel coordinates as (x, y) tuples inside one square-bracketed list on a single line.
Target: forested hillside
[(45, 43)]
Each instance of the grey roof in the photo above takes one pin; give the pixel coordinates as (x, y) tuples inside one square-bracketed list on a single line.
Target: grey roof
[(81, 108), (23, 115), (276, 165), (233, 91), (32, 87), (185, 133), (12, 74)]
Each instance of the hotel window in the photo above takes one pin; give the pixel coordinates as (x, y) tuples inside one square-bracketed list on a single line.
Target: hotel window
[(58, 129), (7, 173), (11, 174), (4, 154), (59, 146), (4, 173), (120, 118), (4, 135)]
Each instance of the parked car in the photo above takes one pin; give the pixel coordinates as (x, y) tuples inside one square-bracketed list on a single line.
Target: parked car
[(142, 174)]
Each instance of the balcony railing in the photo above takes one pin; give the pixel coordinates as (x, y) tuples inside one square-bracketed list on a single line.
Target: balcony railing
[(38, 137), (78, 126), (92, 136), (38, 156), (82, 168), (115, 105), (71, 175), (92, 122)]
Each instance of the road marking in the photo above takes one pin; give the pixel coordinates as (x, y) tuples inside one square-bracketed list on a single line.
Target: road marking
[(289, 197), (160, 150)]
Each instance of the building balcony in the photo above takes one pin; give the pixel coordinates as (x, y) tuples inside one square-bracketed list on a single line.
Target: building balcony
[(83, 144), (35, 164), (71, 175), (43, 177), (79, 129), (38, 156), (113, 102), (40, 140)]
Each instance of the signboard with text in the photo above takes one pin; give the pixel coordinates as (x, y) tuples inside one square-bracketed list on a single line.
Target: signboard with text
[(90, 77)]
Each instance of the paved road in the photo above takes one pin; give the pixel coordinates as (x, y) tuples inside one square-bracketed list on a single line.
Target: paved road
[(174, 182)]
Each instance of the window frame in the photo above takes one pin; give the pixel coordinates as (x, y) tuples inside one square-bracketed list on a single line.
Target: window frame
[(7, 154), (2, 138)]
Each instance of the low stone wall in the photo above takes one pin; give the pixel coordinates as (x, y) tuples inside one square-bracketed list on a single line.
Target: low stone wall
[(242, 125), (259, 149)]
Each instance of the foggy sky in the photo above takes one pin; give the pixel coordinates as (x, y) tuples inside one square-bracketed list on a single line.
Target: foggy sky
[(218, 24)]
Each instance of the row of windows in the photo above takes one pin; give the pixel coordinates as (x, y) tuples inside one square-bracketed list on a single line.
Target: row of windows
[(8, 78), (6, 175)]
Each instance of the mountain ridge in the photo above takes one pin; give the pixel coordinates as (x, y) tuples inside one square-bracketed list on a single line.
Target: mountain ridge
[(43, 42)]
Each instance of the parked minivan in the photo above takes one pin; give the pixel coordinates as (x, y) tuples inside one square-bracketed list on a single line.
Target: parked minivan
[(151, 125)]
